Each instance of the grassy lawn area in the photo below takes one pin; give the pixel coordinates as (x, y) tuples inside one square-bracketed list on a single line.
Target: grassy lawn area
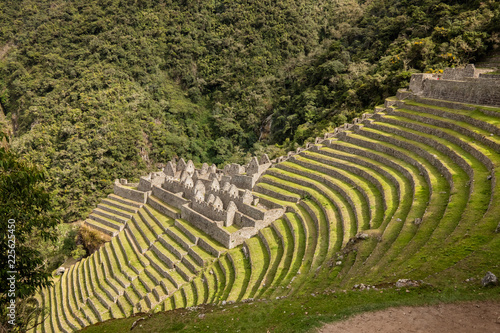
[(295, 314)]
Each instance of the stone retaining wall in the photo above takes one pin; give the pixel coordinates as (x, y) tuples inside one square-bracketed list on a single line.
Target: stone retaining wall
[(478, 91), (454, 116), (208, 226), (354, 159), (130, 194), (339, 176), (451, 138), (412, 148)]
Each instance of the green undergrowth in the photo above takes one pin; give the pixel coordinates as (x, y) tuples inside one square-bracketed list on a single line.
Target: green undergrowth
[(295, 314)]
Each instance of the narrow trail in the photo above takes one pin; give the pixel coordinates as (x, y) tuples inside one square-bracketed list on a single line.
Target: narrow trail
[(467, 317)]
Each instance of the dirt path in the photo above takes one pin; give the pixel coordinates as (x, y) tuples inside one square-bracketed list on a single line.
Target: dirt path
[(457, 318)]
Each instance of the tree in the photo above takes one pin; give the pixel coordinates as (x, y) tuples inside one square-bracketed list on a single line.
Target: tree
[(26, 217)]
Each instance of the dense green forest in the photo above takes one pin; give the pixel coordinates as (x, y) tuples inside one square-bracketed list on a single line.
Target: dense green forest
[(95, 90)]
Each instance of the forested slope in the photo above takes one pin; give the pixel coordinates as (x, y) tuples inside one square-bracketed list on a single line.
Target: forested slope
[(97, 90)]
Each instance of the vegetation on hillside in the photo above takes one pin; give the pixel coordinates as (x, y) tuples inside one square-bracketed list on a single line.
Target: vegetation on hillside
[(98, 90), (26, 222)]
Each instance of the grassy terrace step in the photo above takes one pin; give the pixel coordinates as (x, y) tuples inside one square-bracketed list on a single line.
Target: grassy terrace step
[(115, 210), (123, 201), (321, 209), (489, 110), (211, 285), (172, 246), (178, 235), (345, 208), (273, 245), (376, 189), (475, 120), (306, 239), (63, 312), (138, 235), (273, 191), (427, 163), (115, 252), (131, 252), (436, 206), (228, 273), (203, 240), (109, 216), (139, 288), (119, 206), (149, 279), (377, 167), (113, 267), (198, 291), (368, 195), (116, 285), (153, 226), (290, 258), (394, 177), (299, 231), (49, 323), (259, 262), (55, 317), (76, 293), (453, 131), (106, 221), (164, 222), (89, 314), (99, 285), (362, 146), (468, 155), (67, 305), (219, 280), (72, 298), (241, 267), (131, 297), (201, 292), (163, 207), (190, 295), (179, 300), (164, 254), (331, 189), (88, 281), (125, 306), (183, 271), (101, 227), (148, 233), (157, 261), (475, 206), (82, 283), (109, 285)]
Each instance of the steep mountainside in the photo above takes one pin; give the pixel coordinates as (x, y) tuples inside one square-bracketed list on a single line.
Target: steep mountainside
[(98, 90), (409, 191)]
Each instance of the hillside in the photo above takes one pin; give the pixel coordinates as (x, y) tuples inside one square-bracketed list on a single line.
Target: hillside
[(406, 192), (98, 90)]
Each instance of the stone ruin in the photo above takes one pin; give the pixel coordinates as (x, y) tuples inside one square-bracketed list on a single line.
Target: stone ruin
[(466, 85), (219, 202)]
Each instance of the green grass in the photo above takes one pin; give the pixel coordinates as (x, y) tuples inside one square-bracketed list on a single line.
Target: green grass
[(242, 271), (259, 263), (366, 195), (390, 229), (357, 183), (295, 314), (478, 199), (274, 267)]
